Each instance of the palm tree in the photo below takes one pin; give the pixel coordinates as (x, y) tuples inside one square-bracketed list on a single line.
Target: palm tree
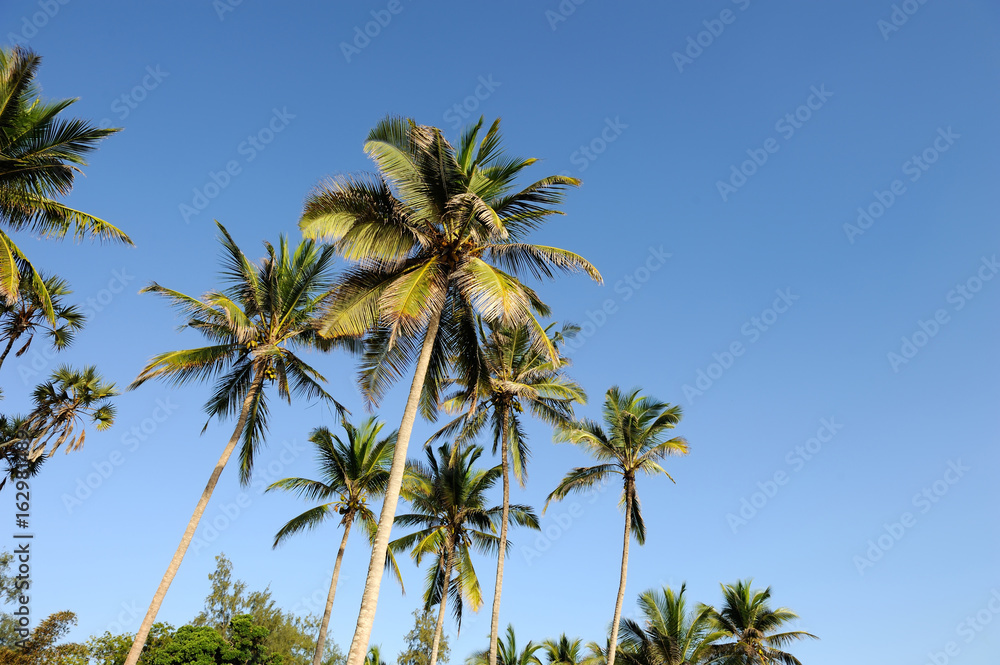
[(352, 472), (509, 655), (62, 404), (27, 315), (448, 498), (14, 451), (40, 154), (748, 628), (513, 374), (374, 656), (634, 441), (432, 238), (669, 634), (255, 325), (563, 651)]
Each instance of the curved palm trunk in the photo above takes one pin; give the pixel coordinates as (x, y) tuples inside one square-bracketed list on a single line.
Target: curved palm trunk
[(175, 563), (321, 640), (505, 466), (621, 584), (369, 600), (450, 562), (10, 345)]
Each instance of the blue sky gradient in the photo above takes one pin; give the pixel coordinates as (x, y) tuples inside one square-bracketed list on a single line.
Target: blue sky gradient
[(761, 305)]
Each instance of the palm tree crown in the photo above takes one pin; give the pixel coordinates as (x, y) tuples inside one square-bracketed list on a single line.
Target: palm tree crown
[(63, 404), (750, 629), (26, 316), (669, 634), (40, 155), (509, 653), (267, 313)]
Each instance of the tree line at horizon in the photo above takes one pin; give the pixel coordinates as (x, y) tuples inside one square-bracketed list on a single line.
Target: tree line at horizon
[(435, 249)]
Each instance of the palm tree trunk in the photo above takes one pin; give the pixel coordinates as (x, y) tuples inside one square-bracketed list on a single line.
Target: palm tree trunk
[(10, 345), (450, 559), (621, 584), (175, 563), (321, 640), (369, 599), (505, 513)]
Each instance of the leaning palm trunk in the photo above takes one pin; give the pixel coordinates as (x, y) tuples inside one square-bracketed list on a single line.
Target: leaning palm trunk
[(613, 646), (10, 345), (369, 599), (505, 512), (439, 629), (175, 563), (321, 640)]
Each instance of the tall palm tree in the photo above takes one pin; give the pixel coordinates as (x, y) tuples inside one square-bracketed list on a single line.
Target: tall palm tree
[(266, 313), (63, 404), (749, 628), (449, 503), (40, 155), (438, 234), (509, 653), (27, 315), (513, 375), (635, 441), (352, 472), (564, 651), (669, 633)]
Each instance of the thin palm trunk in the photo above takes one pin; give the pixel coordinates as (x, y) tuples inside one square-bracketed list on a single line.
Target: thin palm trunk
[(621, 584), (450, 559), (504, 465), (321, 640), (175, 563), (369, 599), (10, 345)]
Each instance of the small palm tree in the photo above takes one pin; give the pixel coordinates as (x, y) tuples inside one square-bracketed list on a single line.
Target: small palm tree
[(432, 238), (40, 155), (749, 628), (352, 472), (669, 634), (63, 404), (512, 375), (563, 651), (508, 652), (634, 442), (374, 656), (256, 324), (27, 315), (448, 498)]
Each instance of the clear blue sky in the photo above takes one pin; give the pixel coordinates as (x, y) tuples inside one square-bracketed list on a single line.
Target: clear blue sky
[(660, 133)]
